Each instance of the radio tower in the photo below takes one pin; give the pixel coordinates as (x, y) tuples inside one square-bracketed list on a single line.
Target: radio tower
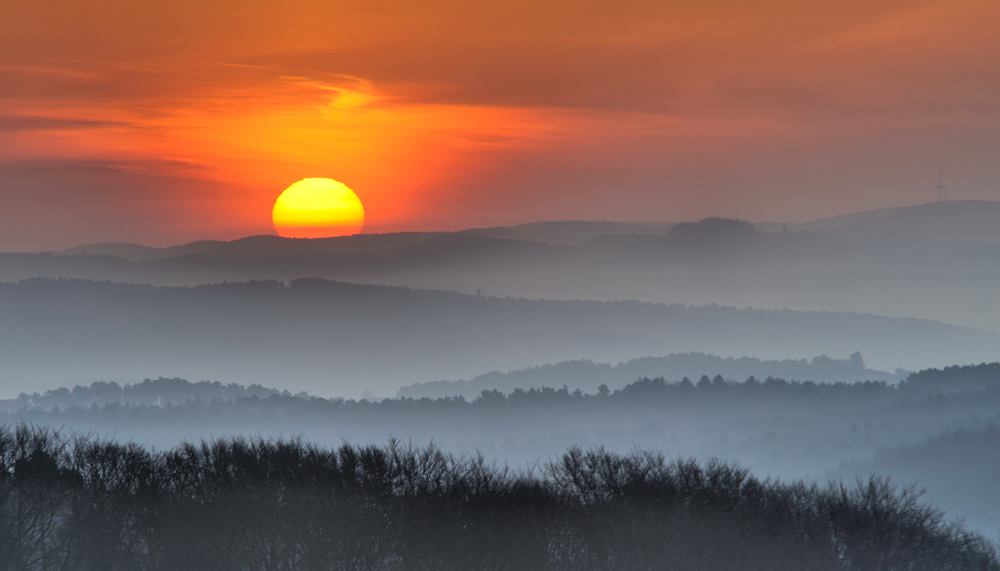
[(940, 186)]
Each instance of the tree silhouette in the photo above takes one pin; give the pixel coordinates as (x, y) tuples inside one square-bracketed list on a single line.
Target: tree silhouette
[(78, 503)]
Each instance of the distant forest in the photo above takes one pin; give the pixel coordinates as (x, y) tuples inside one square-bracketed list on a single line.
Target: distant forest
[(588, 375), (260, 504), (162, 392), (149, 392)]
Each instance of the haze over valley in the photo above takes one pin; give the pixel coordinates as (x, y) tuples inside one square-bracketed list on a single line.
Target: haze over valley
[(333, 338)]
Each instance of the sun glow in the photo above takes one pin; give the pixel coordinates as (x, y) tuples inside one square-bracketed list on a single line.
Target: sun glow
[(318, 208)]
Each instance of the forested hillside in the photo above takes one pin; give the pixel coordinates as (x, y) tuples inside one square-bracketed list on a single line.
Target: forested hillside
[(149, 392), (588, 376)]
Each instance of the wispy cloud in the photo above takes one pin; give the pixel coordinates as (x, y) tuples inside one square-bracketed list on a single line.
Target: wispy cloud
[(35, 123)]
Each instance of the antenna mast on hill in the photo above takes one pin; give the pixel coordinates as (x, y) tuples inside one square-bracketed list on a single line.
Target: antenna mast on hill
[(940, 186)]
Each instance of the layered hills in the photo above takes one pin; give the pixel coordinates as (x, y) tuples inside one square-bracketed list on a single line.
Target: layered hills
[(938, 261), (330, 337)]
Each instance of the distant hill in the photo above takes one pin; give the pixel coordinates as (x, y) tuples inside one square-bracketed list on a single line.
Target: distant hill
[(948, 221), (953, 220), (331, 337), (588, 376), (257, 247), (149, 392), (712, 231), (571, 232), (557, 233)]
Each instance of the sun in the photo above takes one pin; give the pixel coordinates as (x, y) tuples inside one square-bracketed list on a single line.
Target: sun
[(318, 208)]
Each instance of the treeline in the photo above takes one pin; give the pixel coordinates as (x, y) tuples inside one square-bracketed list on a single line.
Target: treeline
[(588, 375), (174, 392), (953, 379), (151, 392), (71, 503), (256, 398)]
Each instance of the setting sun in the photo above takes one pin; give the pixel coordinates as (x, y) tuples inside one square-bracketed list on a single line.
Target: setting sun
[(318, 208)]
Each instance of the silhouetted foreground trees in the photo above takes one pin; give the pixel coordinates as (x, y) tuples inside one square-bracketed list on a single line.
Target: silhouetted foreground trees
[(80, 503)]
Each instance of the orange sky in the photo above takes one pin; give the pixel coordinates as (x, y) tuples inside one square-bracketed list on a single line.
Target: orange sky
[(162, 122)]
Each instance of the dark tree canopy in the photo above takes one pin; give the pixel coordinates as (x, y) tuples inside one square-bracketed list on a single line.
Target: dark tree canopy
[(79, 503)]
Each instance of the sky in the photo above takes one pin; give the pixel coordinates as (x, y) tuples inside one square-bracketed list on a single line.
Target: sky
[(162, 122)]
